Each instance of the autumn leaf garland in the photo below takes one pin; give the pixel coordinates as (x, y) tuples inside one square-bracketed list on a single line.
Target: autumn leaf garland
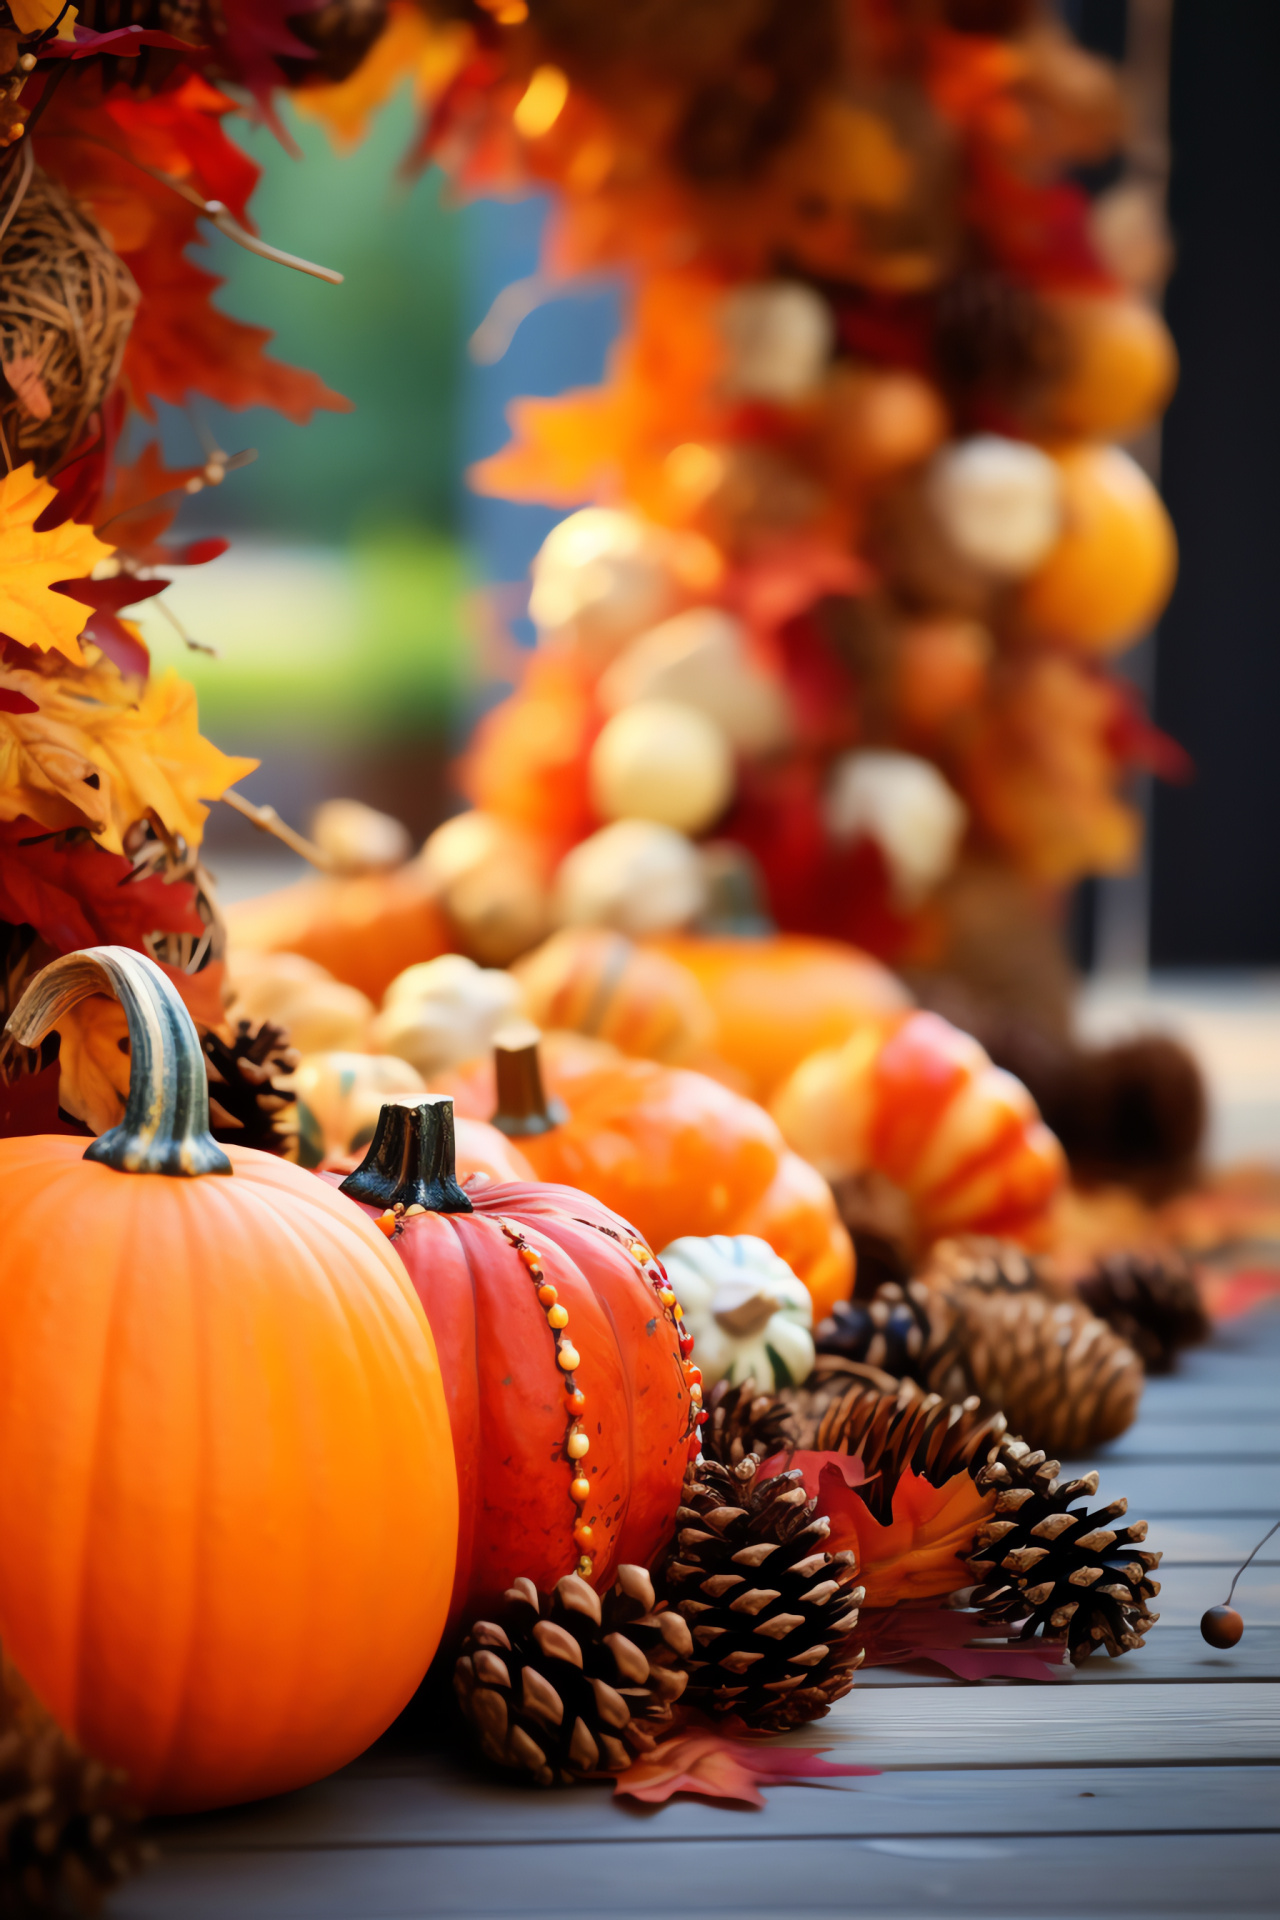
[(82, 745)]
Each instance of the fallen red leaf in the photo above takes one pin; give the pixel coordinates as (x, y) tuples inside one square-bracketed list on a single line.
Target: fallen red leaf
[(716, 1766)]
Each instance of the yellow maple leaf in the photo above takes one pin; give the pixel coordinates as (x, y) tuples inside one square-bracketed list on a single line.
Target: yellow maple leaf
[(97, 753), (157, 760), (31, 563)]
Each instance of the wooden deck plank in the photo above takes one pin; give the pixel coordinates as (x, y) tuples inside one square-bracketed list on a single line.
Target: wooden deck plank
[(1155, 1438), (1171, 1653), (1211, 1539), (440, 1806), (1062, 1725), (1155, 1489), (1053, 1876)]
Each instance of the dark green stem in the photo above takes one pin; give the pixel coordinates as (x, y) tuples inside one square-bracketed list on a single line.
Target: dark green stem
[(410, 1161), (166, 1118)]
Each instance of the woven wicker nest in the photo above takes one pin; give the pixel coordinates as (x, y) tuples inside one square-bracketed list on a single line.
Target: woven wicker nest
[(67, 303)]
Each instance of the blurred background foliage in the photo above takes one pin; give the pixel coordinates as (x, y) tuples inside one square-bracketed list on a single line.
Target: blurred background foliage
[(352, 648)]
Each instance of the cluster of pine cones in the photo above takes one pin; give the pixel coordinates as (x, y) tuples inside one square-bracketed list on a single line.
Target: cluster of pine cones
[(747, 1613), (1065, 1365)]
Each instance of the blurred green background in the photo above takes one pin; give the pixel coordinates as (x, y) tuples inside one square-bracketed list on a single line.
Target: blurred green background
[(354, 646)]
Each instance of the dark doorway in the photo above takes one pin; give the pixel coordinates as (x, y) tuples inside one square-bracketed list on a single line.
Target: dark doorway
[(1216, 842)]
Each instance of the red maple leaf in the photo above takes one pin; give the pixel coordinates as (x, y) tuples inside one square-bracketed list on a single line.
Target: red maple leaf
[(76, 895), (107, 153)]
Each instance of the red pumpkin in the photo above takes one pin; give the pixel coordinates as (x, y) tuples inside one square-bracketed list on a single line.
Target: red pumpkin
[(571, 1411)]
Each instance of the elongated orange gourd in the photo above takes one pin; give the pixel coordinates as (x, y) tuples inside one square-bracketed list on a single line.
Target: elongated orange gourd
[(919, 1101), (674, 1151), (568, 1392), (228, 1507)]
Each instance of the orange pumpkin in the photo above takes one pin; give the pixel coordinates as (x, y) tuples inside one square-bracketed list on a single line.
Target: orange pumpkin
[(228, 1511), (919, 1102), (592, 980), (776, 997), (569, 1395), (673, 1150), (363, 929)]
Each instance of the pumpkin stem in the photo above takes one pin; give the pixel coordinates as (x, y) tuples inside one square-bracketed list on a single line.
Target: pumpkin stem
[(166, 1118), (410, 1161), (523, 1106)]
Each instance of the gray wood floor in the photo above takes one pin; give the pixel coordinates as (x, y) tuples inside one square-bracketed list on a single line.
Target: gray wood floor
[(1149, 1784)]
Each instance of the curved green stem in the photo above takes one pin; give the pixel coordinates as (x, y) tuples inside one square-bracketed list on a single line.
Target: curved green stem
[(166, 1118)]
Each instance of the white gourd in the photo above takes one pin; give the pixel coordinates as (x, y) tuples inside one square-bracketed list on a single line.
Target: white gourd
[(749, 1315), (443, 1011)]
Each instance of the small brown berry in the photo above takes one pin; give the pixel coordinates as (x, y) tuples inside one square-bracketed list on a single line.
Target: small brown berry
[(1221, 1626)]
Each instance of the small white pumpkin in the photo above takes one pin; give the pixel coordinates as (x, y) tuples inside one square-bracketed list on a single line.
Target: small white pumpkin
[(749, 1315), (443, 1011)]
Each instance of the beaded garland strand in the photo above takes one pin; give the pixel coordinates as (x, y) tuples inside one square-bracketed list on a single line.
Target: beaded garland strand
[(577, 1442)]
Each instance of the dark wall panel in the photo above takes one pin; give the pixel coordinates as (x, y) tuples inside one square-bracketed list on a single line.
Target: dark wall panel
[(1216, 846)]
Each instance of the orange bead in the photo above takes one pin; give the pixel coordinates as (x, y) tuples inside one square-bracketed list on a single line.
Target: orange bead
[(667, 1297), (547, 1295), (695, 1393), (575, 1403), (386, 1222), (557, 1317), (579, 1489), (529, 1256), (568, 1357), (584, 1535), (577, 1446)]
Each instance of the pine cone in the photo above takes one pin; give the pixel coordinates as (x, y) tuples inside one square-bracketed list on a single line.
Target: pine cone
[(892, 1433), (1149, 1299), (246, 1105), (67, 1830), (778, 1653), (1072, 1575), (570, 1684), (978, 1321), (741, 1420)]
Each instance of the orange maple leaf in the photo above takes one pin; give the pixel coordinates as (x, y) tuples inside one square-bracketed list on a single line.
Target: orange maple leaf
[(32, 563), (923, 1549)]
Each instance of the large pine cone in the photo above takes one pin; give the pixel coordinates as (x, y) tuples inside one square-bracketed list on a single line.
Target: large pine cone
[(979, 1321), (1071, 1575), (1149, 1299), (772, 1612), (906, 1431), (68, 1831), (569, 1684), (742, 1420)]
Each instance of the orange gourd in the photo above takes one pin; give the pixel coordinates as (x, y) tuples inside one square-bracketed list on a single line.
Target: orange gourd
[(776, 997), (592, 980), (228, 1511), (1112, 569), (673, 1150), (364, 929), (569, 1393), (919, 1102)]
